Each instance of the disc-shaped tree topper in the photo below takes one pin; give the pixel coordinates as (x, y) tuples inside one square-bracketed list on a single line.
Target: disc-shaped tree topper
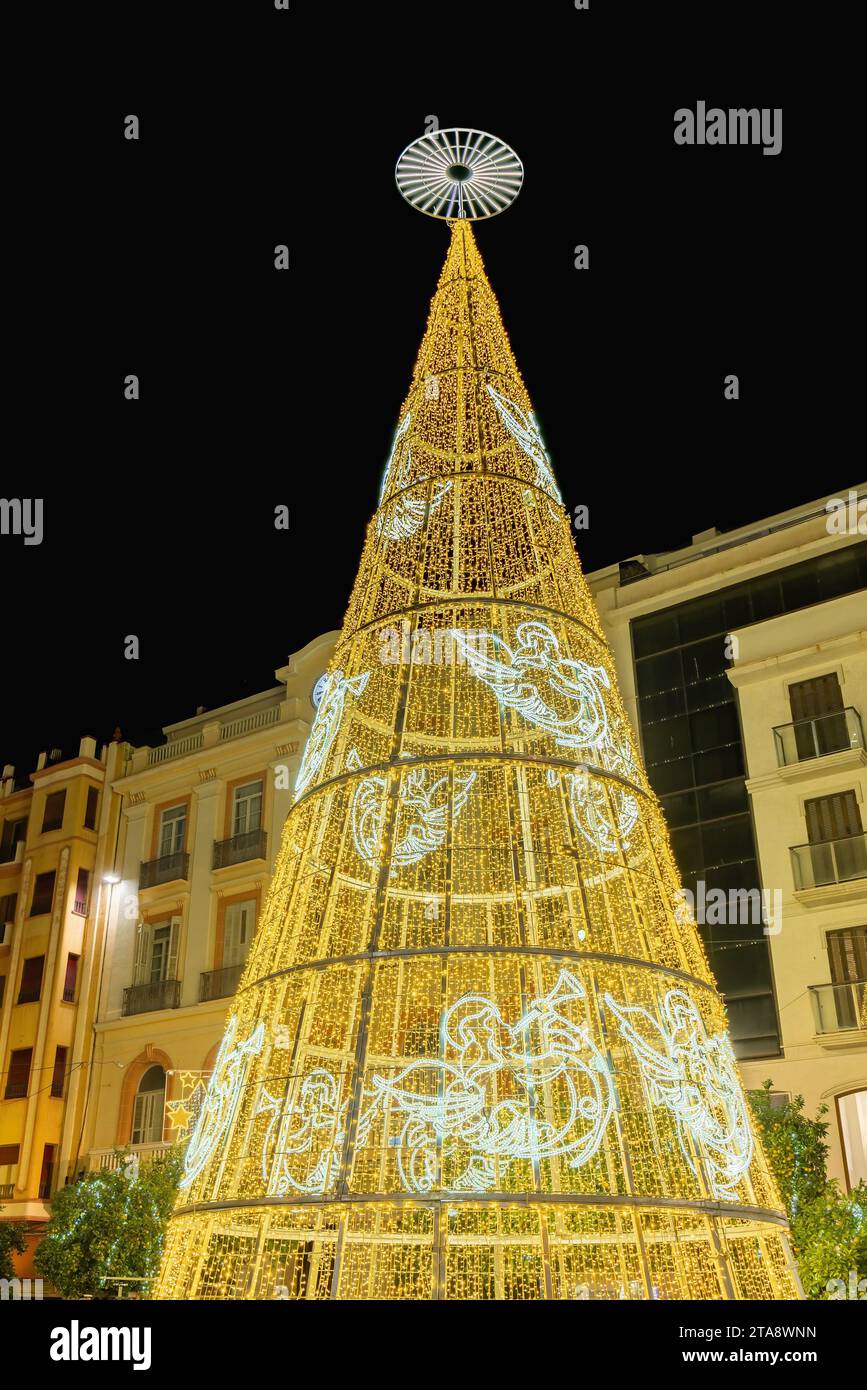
[(459, 173)]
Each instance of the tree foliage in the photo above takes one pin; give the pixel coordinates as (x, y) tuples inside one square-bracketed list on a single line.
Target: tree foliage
[(829, 1227), (109, 1224), (11, 1242)]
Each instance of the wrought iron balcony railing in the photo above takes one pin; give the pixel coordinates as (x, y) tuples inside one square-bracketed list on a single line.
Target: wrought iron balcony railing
[(837, 1008), (219, 984), (829, 861), (153, 995), (814, 738), (164, 869), (252, 844)]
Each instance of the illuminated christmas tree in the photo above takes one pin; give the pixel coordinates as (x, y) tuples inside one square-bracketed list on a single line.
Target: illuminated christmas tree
[(477, 1051)]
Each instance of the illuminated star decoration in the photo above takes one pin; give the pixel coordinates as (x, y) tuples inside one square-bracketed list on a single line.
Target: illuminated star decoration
[(183, 1112)]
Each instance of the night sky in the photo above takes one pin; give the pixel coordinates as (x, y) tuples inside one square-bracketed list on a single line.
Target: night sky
[(262, 387)]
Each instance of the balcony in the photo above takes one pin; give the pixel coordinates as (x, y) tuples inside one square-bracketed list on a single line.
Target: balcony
[(817, 738), (155, 994), (829, 862), (219, 984), (839, 1008), (106, 1160), (165, 870), (252, 844)]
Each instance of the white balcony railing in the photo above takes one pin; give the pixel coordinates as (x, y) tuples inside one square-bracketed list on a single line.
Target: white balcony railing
[(166, 751), (106, 1160), (249, 722)]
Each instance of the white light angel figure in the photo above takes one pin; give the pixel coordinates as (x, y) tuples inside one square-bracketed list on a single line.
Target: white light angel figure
[(422, 814), (405, 514), (221, 1097), (329, 713), (693, 1075), (448, 1104), (522, 425), (312, 1123)]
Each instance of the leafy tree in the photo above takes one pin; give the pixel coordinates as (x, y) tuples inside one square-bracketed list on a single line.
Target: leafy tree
[(109, 1223), (11, 1240), (829, 1228), (831, 1241), (795, 1147)]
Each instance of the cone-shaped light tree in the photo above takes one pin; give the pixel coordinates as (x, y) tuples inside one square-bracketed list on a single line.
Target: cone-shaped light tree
[(477, 1051)]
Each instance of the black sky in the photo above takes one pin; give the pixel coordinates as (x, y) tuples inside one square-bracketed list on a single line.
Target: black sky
[(260, 388)]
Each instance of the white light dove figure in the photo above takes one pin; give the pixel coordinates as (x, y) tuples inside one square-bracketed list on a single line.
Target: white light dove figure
[(406, 514), (326, 723), (695, 1077), (524, 428), (528, 678), (422, 815)]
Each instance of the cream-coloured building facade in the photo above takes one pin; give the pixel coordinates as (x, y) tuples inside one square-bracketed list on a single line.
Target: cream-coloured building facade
[(200, 824), (808, 786), (752, 632), (776, 611)]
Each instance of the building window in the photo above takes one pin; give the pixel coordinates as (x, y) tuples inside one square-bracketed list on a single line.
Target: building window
[(79, 902), (43, 894), (847, 955), (247, 808), (239, 924), (157, 952), (818, 718), (91, 808), (2, 989), (14, 832), (19, 1073), (58, 1076), (46, 1177), (52, 816), (148, 1113), (173, 829), (852, 1110), (31, 980), (70, 979), (8, 1155), (8, 908), (832, 817)]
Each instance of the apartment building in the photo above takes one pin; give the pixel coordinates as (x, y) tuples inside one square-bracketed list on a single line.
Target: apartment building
[(801, 680), (55, 827), (201, 818), (742, 659)]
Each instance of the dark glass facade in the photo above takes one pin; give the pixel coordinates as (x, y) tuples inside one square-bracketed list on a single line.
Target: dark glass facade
[(693, 748)]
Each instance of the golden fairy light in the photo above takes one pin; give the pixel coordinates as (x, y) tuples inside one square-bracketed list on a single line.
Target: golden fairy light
[(476, 1052)]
